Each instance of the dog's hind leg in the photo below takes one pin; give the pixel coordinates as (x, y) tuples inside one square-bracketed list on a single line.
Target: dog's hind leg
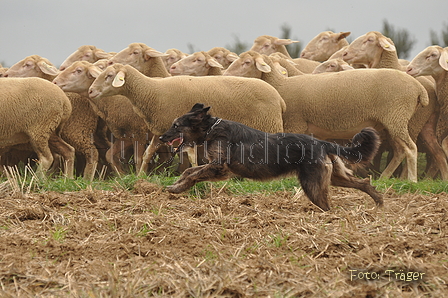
[(315, 181), (341, 176), (191, 176)]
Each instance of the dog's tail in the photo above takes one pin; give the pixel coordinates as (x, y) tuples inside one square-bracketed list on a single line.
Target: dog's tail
[(364, 146)]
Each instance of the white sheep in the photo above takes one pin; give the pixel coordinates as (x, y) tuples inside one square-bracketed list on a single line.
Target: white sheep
[(248, 101), (197, 64), (323, 45), (268, 45), (129, 130), (223, 56), (337, 105), (433, 61), (143, 58), (34, 111), (173, 55), (375, 50), (81, 128), (87, 53), (332, 65)]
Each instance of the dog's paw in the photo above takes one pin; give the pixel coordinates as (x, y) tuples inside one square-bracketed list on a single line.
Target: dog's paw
[(174, 189)]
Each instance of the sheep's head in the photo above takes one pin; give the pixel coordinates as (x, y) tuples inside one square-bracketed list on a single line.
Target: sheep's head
[(173, 55), (367, 49), (109, 82), (321, 47), (223, 56), (196, 64), (267, 45), (77, 77), (85, 53), (250, 64), (332, 65), (431, 61), (135, 55), (32, 66)]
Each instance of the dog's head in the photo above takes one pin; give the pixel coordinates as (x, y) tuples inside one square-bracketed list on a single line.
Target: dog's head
[(190, 128)]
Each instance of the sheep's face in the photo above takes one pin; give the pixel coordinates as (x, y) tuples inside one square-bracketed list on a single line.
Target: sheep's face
[(248, 66), (431, 61), (32, 66), (367, 49), (321, 47), (108, 83), (135, 55), (77, 77), (267, 45), (224, 57), (85, 53), (332, 65), (196, 64), (173, 57)]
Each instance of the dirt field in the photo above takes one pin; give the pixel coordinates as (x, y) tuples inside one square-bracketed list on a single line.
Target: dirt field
[(151, 243)]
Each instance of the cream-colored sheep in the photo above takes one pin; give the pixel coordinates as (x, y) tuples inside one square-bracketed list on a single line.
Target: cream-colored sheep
[(268, 45), (129, 130), (197, 64), (378, 51), (337, 105), (173, 55), (248, 101), (433, 61), (3, 71), (81, 127), (87, 53), (223, 56), (34, 111), (143, 58), (332, 65), (287, 63), (323, 45)]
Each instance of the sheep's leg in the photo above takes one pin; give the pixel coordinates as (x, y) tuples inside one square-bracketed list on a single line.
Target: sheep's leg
[(428, 135), (116, 154), (58, 145), (40, 146), (191, 176), (403, 147), (398, 156), (149, 153)]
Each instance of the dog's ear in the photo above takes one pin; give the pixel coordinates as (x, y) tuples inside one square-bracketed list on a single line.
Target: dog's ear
[(199, 114), (196, 107)]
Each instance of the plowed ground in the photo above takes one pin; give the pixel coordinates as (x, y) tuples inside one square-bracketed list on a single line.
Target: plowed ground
[(147, 242)]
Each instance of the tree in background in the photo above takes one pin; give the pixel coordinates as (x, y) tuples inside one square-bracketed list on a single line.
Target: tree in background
[(239, 46), (443, 42), (294, 49), (401, 38)]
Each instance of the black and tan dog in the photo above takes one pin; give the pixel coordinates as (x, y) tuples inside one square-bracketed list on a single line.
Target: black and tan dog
[(234, 149)]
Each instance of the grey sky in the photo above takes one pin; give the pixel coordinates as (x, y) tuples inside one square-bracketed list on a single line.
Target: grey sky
[(56, 28)]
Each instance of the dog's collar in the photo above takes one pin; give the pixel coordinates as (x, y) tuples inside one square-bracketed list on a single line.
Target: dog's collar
[(213, 126)]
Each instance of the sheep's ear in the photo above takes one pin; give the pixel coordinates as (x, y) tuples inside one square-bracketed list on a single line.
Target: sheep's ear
[(261, 65), (47, 68), (213, 63), (386, 44), (232, 57), (342, 35), (443, 60), (94, 71), (119, 79), (346, 67), (281, 69), (151, 53), (284, 42)]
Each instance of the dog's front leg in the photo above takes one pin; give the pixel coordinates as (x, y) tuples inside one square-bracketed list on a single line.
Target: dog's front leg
[(191, 176)]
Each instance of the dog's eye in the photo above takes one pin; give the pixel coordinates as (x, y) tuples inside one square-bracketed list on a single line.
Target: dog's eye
[(175, 125)]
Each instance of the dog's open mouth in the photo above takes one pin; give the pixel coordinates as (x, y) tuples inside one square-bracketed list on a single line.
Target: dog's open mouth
[(176, 143)]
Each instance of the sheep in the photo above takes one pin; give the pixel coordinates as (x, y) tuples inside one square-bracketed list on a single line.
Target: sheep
[(34, 111), (287, 63), (223, 56), (145, 59), (433, 61), (332, 65), (82, 124), (323, 45), (129, 129), (197, 64), (3, 71), (248, 101), (173, 55), (337, 105), (87, 53), (375, 50), (267, 45)]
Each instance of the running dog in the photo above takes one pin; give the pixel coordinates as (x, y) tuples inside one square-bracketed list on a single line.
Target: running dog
[(234, 149)]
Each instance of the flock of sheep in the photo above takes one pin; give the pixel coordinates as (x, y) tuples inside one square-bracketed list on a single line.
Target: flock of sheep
[(104, 110)]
